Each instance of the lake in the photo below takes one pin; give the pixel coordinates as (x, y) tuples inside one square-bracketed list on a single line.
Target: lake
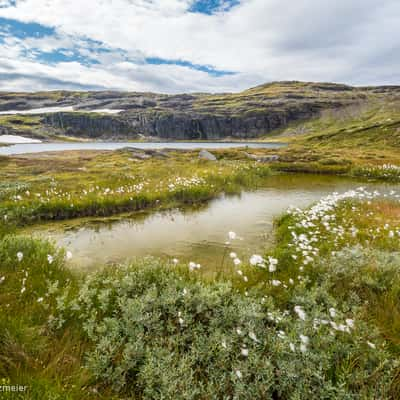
[(23, 148), (195, 234)]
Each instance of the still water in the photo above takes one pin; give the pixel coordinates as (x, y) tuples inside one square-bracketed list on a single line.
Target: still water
[(23, 148), (197, 235)]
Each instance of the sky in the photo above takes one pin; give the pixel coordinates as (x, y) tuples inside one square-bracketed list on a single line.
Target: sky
[(175, 46)]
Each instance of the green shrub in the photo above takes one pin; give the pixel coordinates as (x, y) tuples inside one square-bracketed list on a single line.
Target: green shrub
[(158, 333)]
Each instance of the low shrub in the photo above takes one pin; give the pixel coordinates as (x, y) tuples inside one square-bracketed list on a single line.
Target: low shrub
[(158, 333)]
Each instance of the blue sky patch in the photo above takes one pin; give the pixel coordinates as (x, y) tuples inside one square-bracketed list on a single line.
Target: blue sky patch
[(211, 6), (23, 30), (204, 68), (62, 55)]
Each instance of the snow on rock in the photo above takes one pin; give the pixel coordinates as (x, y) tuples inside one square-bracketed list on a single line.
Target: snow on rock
[(13, 139), (47, 110)]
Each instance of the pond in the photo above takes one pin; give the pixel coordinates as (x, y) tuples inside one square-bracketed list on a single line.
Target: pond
[(197, 234), (23, 148)]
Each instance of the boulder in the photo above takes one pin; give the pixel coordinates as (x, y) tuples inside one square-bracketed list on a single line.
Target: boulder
[(206, 155)]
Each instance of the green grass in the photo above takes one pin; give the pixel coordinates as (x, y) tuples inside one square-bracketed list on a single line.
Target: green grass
[(117, 334), (152, 330), (111, 183)]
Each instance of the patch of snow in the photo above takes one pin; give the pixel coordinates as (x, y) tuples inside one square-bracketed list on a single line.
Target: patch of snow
[(46, 110), (11, 139), (104, 111), (37, 111)]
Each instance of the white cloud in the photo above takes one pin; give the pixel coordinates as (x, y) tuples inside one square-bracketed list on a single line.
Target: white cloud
[(351, 41)]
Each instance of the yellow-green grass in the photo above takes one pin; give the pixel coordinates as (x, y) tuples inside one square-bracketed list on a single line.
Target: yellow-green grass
[(62, 186), (45, 344)]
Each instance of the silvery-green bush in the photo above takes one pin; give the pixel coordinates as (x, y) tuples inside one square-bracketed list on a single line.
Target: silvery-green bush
[(158, 333)]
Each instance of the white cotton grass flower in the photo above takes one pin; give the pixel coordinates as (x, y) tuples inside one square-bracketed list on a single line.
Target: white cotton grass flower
[(276, 282), (273, 262), (253, 337), (256, 259), (332, 312), (237, 261), (372, 345), (193, 266), (20, 256), (175, 261), (180, 319), (23, 289), (300, 312), (232, 255), (68, 255), (304, 339), (239, 331), (238, 374), (239, 272), (244, 352), (350, 323), (292, 347), (304, 343), (2, 279), (40, 299), (232, 235), (50, 258)]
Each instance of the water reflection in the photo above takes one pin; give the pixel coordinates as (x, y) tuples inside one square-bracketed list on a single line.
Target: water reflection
[(195, 234)]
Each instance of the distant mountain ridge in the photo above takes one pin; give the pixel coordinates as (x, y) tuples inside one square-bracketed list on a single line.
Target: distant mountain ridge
[(253, 113)]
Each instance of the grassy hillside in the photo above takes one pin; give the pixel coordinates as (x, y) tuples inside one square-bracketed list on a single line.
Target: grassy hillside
[(267, 109)]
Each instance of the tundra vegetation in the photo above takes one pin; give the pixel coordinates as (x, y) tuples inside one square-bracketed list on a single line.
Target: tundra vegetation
[(314, 317)]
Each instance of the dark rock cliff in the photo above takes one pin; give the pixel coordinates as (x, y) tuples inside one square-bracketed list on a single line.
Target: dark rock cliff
[(249, 114)]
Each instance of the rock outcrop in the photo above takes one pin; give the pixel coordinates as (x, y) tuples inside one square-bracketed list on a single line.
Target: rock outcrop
[(206, 155), (249, 114)]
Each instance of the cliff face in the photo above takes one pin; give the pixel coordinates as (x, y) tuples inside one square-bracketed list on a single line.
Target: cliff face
[(249, 114), (89, 125)]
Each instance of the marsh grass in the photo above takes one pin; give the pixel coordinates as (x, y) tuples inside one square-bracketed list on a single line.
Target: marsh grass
[(153, 330), (108, 184)]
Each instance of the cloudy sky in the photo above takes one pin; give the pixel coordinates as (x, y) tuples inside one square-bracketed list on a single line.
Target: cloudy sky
[(196, 45)]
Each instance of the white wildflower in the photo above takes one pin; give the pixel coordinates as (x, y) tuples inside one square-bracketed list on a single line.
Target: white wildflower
[(350, 323), (253, 336), (232, 235), (300, 312), (256, 259), (244, 352)]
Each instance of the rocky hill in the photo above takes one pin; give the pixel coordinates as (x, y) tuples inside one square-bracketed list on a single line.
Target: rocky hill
[(253, 113)]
